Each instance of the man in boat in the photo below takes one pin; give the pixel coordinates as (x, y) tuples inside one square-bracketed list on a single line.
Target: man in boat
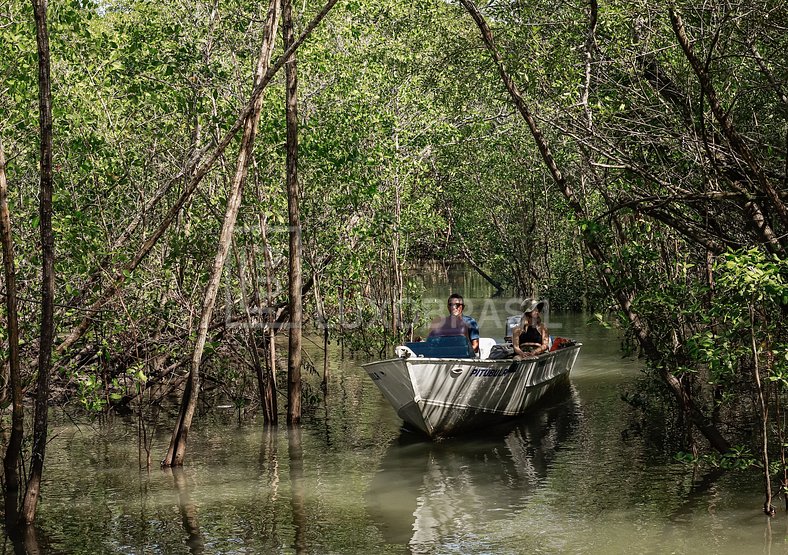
[(457, 323)]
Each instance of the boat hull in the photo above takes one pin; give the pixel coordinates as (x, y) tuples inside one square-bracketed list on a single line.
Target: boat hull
[(444, 397)]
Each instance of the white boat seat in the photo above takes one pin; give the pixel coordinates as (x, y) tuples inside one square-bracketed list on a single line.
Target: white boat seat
[(485, 346)]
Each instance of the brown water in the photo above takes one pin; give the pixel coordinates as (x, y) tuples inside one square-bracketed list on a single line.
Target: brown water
[(575, 476)]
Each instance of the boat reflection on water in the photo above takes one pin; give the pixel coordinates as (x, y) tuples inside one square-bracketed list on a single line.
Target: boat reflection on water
[(428, 492)]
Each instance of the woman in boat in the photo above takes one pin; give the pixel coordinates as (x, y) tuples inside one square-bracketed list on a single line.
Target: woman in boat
[(531, 337)]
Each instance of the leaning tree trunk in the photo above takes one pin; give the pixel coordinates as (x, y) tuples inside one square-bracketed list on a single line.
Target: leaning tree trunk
[(294, 218), (47, 332), (177, 449), (624, 298), (13, 380)]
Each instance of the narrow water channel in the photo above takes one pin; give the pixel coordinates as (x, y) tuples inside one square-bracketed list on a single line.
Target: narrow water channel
[(575, 476)]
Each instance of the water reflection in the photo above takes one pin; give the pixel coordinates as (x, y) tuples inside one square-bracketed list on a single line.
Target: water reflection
[(270, 472), (298, 497), (425, 492), (188, 511)]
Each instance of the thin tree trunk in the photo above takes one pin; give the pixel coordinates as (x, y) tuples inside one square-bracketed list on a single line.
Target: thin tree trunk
[(779, 417), (325, 359), (322, 318), (764, 414), (177, 449), (250, 327), (270, 408), (479, 270), (12, 381), (294, 217), (624, 298), (396, 272), (47, 332)]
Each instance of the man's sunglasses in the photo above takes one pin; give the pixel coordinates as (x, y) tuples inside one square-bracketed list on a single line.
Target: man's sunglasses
[(455, 305)]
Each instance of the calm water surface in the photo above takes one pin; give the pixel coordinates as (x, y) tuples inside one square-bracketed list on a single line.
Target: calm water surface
[(572, 477)]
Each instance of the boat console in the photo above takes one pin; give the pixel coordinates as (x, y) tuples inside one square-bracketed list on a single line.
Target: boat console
[(446, 346)]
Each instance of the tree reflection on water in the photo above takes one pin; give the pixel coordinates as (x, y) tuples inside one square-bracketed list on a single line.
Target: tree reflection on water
[(188, 511)]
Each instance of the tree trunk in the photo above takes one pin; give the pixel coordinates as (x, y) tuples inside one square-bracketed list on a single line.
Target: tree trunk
[(322, 319), (47, 332), (764, 417), (270, 408), (9, 268), (12, 381), (177, 449), (624, 298), (294, 218), (250, 327)]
